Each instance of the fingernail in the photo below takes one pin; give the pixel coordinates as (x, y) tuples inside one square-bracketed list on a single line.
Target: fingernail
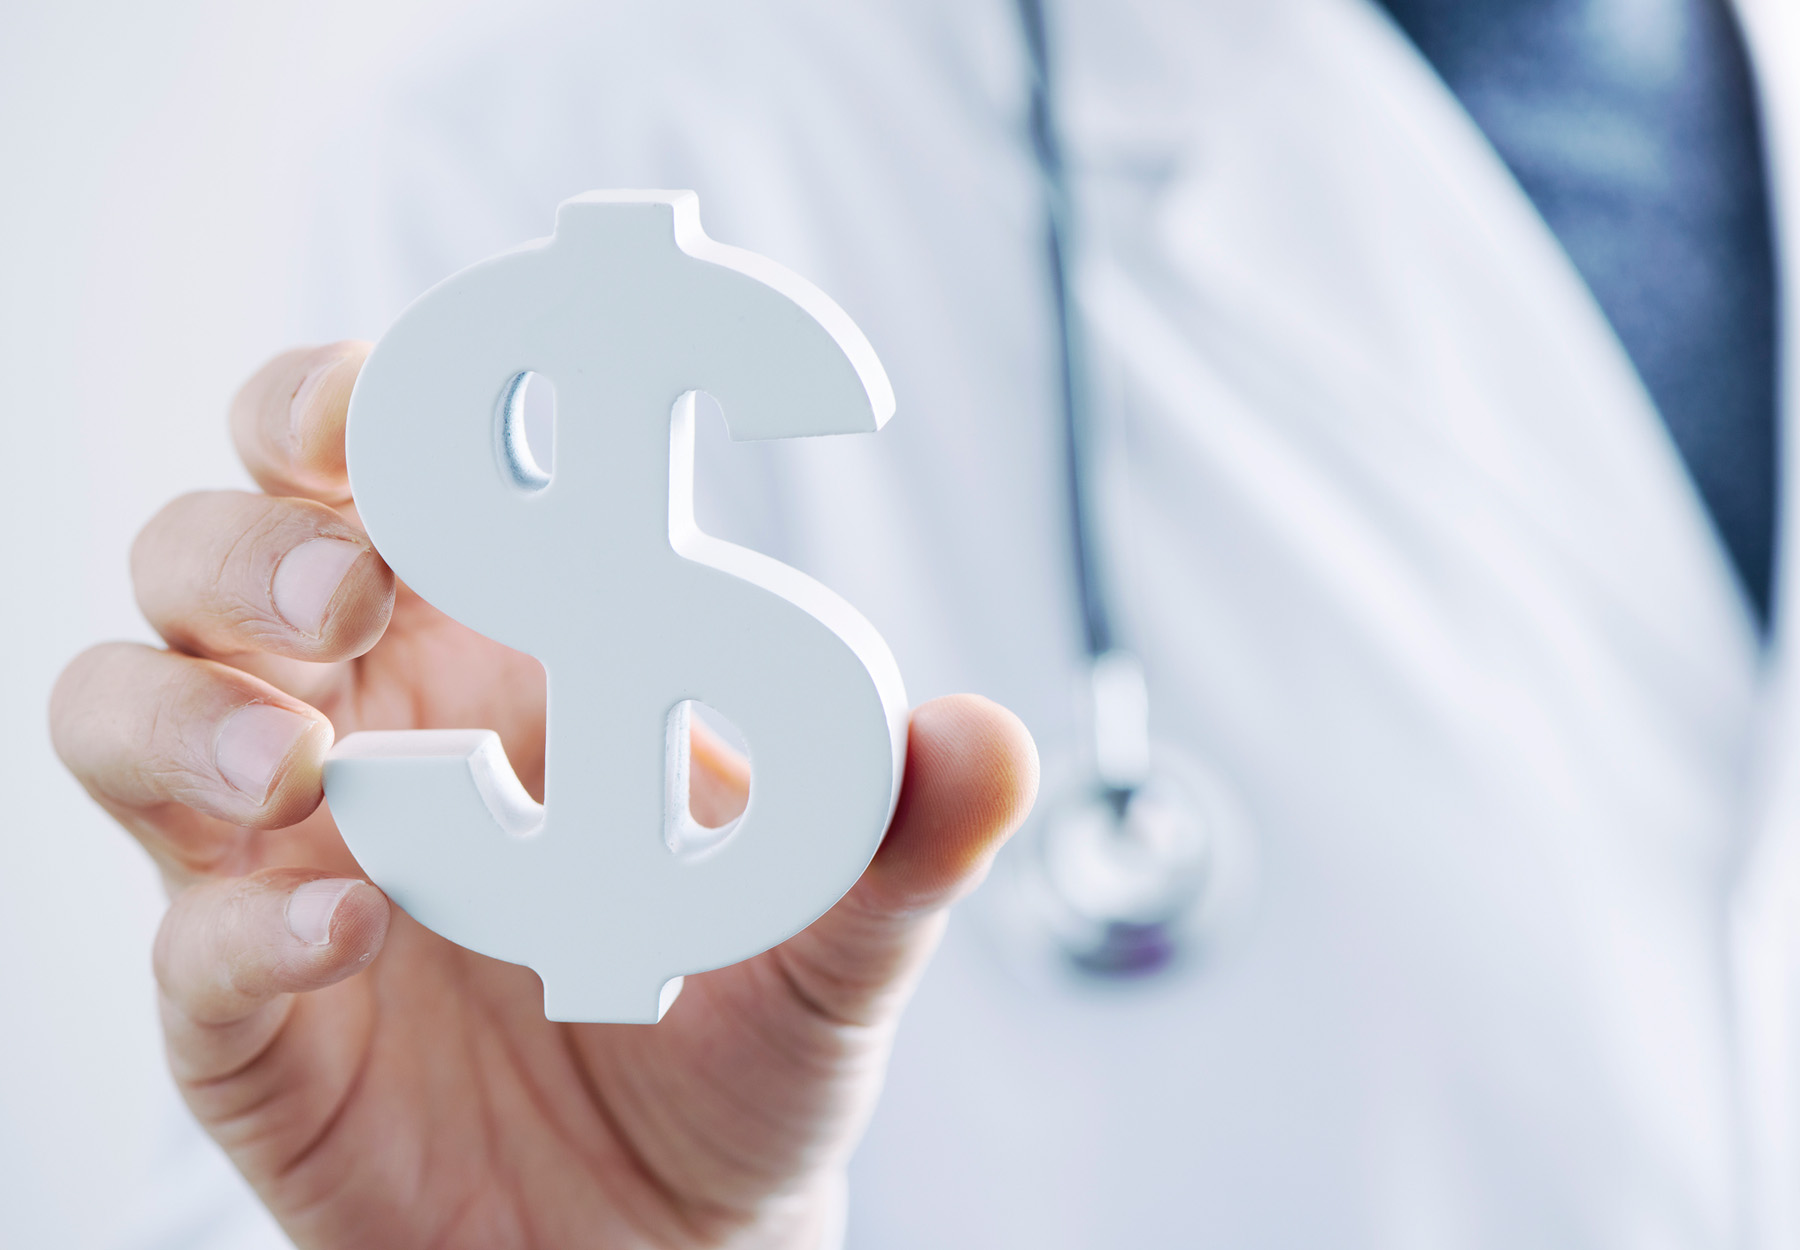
[(311, 907), (304, 393), (252, 743), (308, 577)]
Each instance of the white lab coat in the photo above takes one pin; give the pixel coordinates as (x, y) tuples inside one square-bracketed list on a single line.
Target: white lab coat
[(1409, 556)]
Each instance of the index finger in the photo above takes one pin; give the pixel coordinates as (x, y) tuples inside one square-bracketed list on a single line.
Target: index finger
[(288, 421)]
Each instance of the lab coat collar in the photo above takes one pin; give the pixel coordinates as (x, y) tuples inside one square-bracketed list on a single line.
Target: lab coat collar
[(1765, 941)]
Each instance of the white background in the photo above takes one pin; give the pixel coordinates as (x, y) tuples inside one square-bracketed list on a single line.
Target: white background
[(152, 167)]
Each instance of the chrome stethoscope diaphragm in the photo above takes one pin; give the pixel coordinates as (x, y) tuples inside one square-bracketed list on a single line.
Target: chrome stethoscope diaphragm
[(1137, 858), (1118, 859)]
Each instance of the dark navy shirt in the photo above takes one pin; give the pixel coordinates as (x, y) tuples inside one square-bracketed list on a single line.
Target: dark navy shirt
[(1634, 130)]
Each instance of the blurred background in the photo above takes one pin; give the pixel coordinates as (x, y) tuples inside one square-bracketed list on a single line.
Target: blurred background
[(154, 158), (1426, 578)]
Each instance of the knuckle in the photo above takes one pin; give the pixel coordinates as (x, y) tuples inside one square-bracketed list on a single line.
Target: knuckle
[(178, 719), (205, 570), (162, 950), (71, 700), (184, 939), (230, 928), (169, 528), (236, 583)]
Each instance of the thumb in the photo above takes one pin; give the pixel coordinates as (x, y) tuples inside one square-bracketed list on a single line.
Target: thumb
[(971, 776)]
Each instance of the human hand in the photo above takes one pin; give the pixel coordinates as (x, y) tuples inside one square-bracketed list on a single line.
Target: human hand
[(378, 1085)]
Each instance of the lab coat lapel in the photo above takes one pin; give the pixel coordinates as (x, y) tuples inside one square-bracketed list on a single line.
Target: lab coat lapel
[(1766, 918), (1587, 454), (1344, 318), (1376, 344), (1579, 448), (1343, 216)]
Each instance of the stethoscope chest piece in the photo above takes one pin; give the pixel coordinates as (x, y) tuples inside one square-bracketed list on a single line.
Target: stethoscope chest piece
[(1117, 871), (1108, 885)]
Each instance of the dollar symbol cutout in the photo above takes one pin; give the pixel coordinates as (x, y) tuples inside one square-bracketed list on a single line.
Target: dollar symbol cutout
[(601, 573)]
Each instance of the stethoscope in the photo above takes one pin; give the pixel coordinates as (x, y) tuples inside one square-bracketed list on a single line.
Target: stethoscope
[(1135, 849)]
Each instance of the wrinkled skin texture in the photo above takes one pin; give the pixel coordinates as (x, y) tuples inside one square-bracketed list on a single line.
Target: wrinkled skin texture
[(377, 1085)]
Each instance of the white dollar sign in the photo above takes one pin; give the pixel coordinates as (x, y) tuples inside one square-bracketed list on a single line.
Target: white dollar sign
[(629, 309)]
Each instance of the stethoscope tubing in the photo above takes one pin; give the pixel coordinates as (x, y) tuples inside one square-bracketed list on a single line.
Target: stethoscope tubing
[(1080, 423), (1125, 862)]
